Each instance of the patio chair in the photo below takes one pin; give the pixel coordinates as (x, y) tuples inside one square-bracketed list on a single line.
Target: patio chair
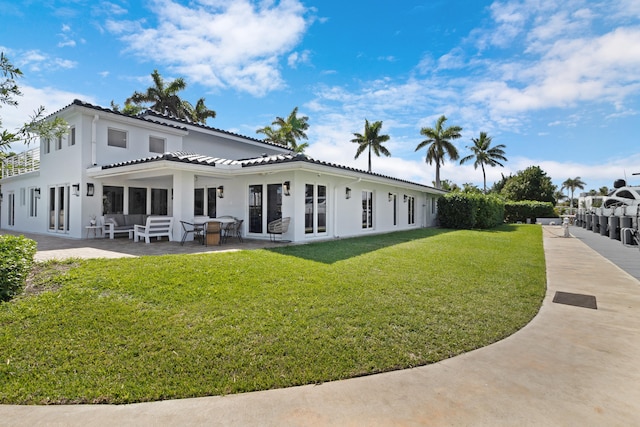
[(278, 226), (212, 233), (232, 229), (189, 227)]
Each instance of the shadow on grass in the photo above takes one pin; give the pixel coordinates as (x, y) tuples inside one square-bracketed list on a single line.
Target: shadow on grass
[(333, 251)]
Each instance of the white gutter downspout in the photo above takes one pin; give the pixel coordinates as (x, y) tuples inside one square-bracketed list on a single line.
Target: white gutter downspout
[(94, 143), (335, 205)]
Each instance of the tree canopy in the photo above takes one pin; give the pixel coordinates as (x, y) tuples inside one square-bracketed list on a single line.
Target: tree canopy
[(530, 184), (483, 154), (371, 140), (36, 126), (288, 131), (439, 144), (164, 98)]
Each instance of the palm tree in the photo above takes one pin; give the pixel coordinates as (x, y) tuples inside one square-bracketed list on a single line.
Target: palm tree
[(438, 140), (371, 140), (288, 131), (272, 135), (572, 184), (484, 154), (163, 99), (200, 113)]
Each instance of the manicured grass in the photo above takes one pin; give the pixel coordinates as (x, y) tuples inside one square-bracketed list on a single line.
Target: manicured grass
[(151, 328)]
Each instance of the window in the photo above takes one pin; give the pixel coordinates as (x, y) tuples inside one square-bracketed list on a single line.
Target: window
[(72, 136), (59, 208), (367, 209), (159, 201), (411, 210), (59, 143), (394, 201), (23, 196), (137, 200), (33, 203), (255, 208), (46, 145), (11, 209), (112, 199), (315, 218), (433, 205), (198, 201), (157, 145), (117, 138), (211, 202)]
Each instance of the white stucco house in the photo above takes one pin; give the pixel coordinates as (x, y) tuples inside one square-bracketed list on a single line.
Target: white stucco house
[(157, 165)]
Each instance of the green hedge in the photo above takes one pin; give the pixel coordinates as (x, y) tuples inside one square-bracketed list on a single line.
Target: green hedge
[(467, 210), (16, 259), (528, 209)]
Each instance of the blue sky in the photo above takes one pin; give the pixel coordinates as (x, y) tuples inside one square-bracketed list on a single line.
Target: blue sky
[(558, 83)]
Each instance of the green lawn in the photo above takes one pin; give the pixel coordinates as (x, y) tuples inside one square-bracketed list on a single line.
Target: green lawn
[(151, 328)]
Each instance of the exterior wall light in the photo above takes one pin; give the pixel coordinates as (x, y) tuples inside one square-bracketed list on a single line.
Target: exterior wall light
[(36, 192), (91, 189), (220, 192), (405, 198), (347, 193), (76, 189), (390, 197), (286, 188)]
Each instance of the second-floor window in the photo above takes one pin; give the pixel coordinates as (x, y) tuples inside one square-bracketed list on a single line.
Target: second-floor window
[(72, 136), (157, 145), (117, 138)]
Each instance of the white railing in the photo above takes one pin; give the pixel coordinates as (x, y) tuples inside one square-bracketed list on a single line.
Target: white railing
[(19, 164)]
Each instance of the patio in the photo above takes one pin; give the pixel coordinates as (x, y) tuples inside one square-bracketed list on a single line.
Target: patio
[(56, 247)]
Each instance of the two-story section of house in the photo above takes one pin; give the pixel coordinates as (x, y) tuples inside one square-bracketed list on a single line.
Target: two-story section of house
[(151, 164)]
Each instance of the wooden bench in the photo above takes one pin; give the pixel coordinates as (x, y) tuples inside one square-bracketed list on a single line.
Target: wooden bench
[(156, 226)]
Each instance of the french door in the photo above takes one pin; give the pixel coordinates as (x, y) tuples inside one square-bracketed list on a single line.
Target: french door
[(258, 210), (59, 208)]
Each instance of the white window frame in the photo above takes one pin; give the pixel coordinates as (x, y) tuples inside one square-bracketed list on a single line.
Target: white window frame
[(368, 211), (115, 144), (72, 136), (33, 202), (157, 139), (411, 210)]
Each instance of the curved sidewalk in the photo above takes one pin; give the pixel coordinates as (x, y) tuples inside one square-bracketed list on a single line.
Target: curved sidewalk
[(570, 366)]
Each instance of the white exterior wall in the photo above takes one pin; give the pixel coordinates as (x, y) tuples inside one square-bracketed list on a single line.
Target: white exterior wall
[(78, 164)]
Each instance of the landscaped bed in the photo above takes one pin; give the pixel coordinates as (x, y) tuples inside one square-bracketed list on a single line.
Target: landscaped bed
[(151, 328)]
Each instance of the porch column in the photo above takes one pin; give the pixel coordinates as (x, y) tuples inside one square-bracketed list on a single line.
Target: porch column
[(182, 206)]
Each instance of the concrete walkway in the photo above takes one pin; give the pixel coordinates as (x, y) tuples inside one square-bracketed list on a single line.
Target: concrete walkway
[(571, 366)]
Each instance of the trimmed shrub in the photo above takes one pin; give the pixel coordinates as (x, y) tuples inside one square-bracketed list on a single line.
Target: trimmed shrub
[(16, 259), (528, 209), (467, 210)]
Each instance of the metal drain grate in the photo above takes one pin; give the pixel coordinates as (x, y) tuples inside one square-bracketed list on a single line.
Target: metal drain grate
[(578, 300)]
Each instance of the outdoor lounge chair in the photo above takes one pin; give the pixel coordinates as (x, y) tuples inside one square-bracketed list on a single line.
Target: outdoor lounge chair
[(279, 226)]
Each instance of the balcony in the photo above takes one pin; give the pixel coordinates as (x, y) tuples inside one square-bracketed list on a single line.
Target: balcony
[(19, 164)]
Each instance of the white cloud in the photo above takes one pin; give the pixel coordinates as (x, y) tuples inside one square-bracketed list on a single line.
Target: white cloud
[(219, 43), (32, 98), (298, 58)]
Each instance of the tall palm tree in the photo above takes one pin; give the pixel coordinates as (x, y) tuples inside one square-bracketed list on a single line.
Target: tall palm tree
[(288, 131), (484, 154), (439, 144), (163, 99), (572, 184), (371, 140)]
